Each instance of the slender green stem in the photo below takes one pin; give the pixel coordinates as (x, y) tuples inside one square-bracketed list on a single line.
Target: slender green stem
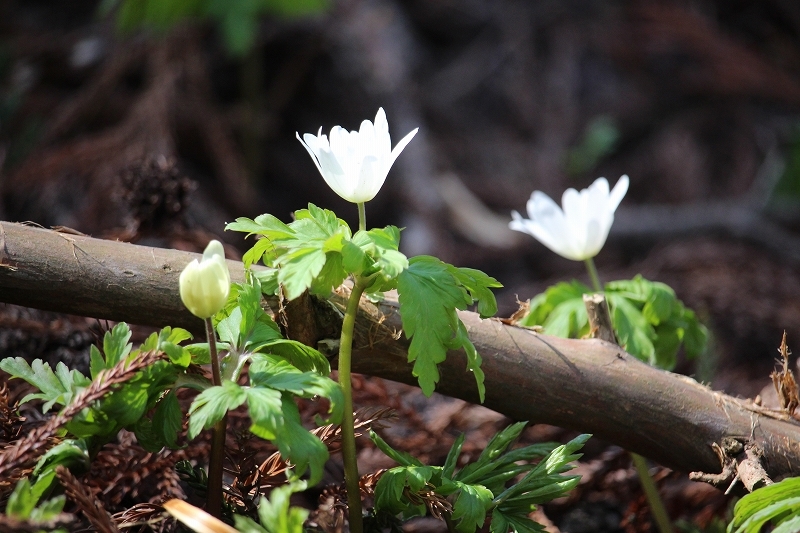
[(351, 477), (657, 509), (214, 497), (362, 217), (216, 374), (596, 285)]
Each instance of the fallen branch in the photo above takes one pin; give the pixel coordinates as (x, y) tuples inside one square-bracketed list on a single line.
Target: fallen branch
[(587, 385)]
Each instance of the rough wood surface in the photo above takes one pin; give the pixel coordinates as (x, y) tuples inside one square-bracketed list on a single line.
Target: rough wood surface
[(599, 318), (587, 385)]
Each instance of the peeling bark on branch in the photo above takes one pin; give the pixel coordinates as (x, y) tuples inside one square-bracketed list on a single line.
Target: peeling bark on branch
[(587, 385)]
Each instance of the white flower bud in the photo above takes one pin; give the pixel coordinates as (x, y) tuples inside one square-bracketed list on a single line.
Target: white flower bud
[(205, 284)]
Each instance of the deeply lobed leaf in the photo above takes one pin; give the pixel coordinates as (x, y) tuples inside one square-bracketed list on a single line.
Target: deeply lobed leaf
[(430, 291), (479, 489)]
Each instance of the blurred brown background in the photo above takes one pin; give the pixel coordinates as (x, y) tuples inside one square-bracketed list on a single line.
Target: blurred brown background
[(160, 135)]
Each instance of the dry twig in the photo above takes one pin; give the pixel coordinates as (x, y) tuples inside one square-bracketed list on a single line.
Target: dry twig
[(88, 504), (785, 384)]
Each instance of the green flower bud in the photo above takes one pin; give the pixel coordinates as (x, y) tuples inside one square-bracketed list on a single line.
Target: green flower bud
[(205, 284)]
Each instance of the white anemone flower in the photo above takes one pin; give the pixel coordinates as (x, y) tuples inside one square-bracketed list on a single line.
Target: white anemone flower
[(355, 163), (579, 231)]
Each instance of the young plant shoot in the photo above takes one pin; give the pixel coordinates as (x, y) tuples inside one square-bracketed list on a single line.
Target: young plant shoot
[(354, 164), (318, 251), (204, 288), (578, 232)]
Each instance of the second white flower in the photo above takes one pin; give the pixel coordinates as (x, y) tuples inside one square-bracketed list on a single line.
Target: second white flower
[(579, 230)]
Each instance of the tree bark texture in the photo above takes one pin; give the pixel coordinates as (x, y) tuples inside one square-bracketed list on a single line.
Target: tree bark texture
[(587, 385)]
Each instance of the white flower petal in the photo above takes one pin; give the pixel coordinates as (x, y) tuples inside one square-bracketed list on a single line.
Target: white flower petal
[(580, 229), (618, 193), (308, 144), (383, 142), (333, 173), (355, 163), (399, 148), (368, 186)]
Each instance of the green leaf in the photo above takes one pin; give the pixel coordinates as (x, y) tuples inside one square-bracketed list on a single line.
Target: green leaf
[(228, 327), (429, 295), (165, 341), (269, 280), (478, 284), (121, 408), (471, 505), (56, 387), (303, 256), (48, 510), (502, 523), (303, 449), (317, 251), (115, 344), (545, 482), (476, 485), (281, 375), (474, 360), (70, 453), (499, 443), (155, 14), (666, 343), (331, 276), (788, 525), (634, 333), (381, 246), (262, 248), (247, 328), (354, 259), (391, 488), (567, 319), (266, 225), (147, 435), (452, 457), (239, 29), (695, 338), (178, 355), (303, 357), (298, 270), (244, 524), (168, 419), (401, 458), (266, 410), (211, 405), (543, 304), (96, 361), (276, 514), (650, 322), (200, 352), (659, 304), (599, 139), (23, 500), (777, 502), (637, 289)]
